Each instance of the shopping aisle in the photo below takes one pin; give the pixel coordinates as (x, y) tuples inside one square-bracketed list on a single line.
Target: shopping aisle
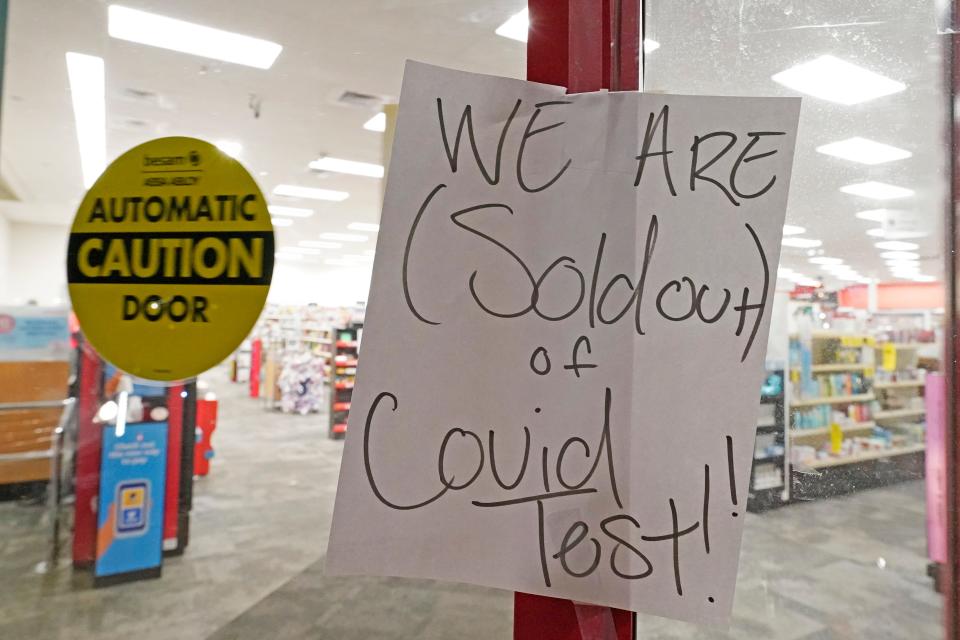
[(842, 568), (847, 568), (259, 519)]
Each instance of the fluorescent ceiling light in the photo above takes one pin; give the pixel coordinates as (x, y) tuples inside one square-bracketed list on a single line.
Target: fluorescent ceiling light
[(87, 92), (649, 46), (281, 222), (899, 255), (837, 80), (897, 245), (808, 282), (874, 215), (877, 190), (312, 193), (320, 244), (286, 255), (848, 277), (292, 212), (825, 260), (358, 257), (352, 167), (515, 27), (922, 278), (187, 37), (802, 243), (230, 147), (900, 262), (864, 151), (792, 230), (364, 226), (344, 237), (307, 251), (376, 123), (890, 234), (369, 252)]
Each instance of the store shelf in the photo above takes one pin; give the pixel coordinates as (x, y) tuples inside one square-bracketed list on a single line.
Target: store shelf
[(898, 413), (341, 386), (825, 431), (835, 335), (812, 402), (838, 367), (339, 428), (865, 457), (346, 344), (907, 345), (900, 384), (341, 406)]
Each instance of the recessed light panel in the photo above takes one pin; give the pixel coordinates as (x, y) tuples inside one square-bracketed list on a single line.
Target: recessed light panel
[(186, 37), (897, 245), (291, 212), (281, 222), (837, 80), (802, 243), (364, 226), (877, 190), (376, 123), (310, 193), (874, 215), (792, 230), (899, 255), (890, 234), (230, 147), (864, 151), (352, 167), (515, 27), (88, 95)]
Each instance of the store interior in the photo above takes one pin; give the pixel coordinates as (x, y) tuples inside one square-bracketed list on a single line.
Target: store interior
[(844, 535)]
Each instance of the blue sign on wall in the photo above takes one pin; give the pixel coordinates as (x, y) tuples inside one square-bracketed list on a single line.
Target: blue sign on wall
[(130, 519)]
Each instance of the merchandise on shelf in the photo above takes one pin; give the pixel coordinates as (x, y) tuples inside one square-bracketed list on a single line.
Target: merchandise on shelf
[(301, 383), (344, 365)]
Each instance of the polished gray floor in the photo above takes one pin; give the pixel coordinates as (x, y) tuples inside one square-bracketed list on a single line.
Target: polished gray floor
[(851, 567)]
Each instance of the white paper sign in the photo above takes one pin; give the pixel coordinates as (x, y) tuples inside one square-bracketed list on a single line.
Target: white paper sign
[(564, 342)]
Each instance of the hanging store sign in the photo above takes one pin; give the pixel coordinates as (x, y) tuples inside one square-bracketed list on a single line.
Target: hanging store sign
[(170, 258), (564, 342)]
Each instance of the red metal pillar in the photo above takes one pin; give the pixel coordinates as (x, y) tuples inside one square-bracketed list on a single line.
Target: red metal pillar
[(584, 45), (171, 501), (87, 469), (951, 575)]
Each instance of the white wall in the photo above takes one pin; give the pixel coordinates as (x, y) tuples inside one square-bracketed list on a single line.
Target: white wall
[(37, 263), (297, 284), (4, 260)]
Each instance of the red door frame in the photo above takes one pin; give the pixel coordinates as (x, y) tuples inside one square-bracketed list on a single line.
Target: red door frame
[(951, 575), (584, 45)]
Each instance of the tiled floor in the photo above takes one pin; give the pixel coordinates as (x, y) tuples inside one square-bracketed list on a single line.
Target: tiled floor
[(850, 567)]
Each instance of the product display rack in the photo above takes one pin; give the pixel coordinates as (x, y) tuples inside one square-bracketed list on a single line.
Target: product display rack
[(840, 421), (767, 487), (346, 350)]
